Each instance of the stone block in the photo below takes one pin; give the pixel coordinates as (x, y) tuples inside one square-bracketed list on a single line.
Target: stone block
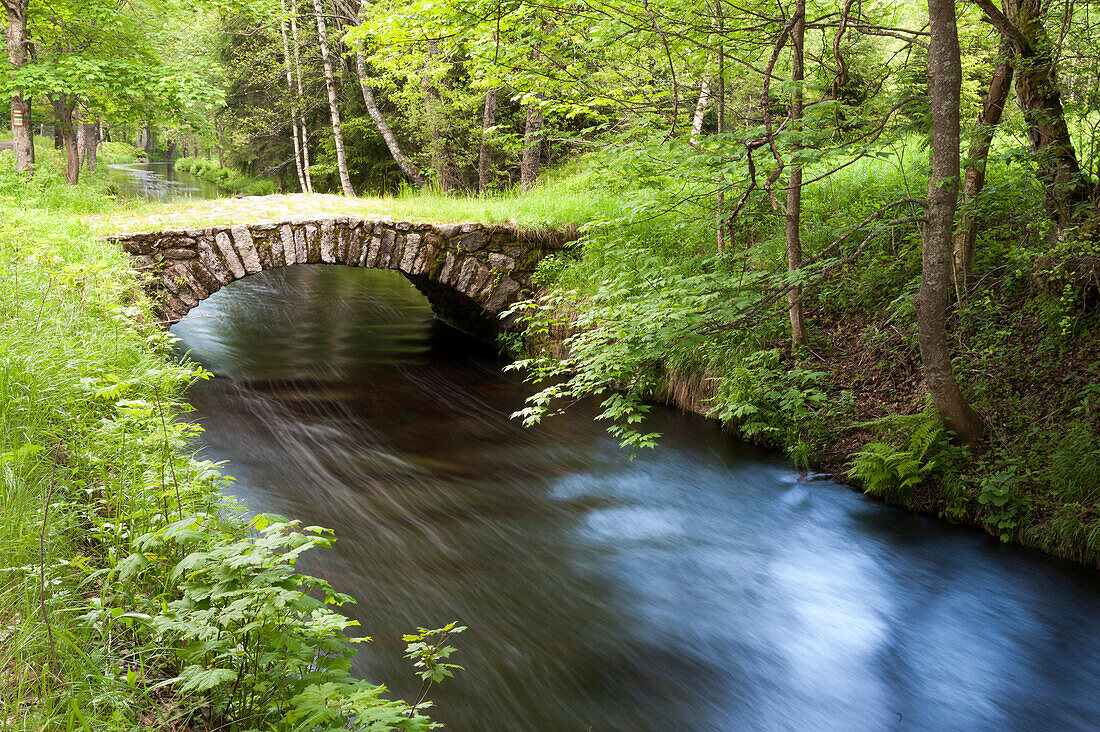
[(196, 285), (313, 243), (203, 276), (369, 255), (472, 241), (327, 246), (179, 253), (448, 267), (246, 248), (482, 283), (341, 242), (502, 295), (501, 262), (465, 274), (213, 263), (286, 240), (301, 251), (448, 231), (137, 245), (411, 251), (229, 254), (389, 240)]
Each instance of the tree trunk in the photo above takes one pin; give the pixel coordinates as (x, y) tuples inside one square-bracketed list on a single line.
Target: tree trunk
[(301, 96), (944, 86), (91, 144), (294, 107), (532, 148), (64, 107), (721, 196), (375, 113), (80, 139), (485, 151), (701, 106), (333, 106), (1038, 94), (794, 186), (171, 153), (437, 136), (966, 230)]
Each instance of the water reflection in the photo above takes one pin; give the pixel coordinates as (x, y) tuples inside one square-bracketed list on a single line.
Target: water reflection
[(159, 181), (699, 587)]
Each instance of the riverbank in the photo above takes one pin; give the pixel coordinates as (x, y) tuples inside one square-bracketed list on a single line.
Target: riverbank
[(227, 179), (132, 595)]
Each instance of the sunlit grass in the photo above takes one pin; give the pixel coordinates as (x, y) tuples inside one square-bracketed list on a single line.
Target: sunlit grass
[(560, 200)]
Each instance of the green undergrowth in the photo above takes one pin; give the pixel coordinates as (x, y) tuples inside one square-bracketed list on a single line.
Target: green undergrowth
[(133, 595), (648, 309), (228, 179)]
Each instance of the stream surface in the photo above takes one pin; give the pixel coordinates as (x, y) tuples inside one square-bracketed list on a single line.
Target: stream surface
[(701, 586), (159, 181)]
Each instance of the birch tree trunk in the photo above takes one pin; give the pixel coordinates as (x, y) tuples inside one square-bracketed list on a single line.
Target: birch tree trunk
[(333, 106), (794, 186), (301, 96), (944, 86), (383, 126), (293, 107), (701, 106)]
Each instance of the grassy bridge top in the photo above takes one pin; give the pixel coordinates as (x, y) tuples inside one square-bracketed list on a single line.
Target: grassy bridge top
[(538, 210)]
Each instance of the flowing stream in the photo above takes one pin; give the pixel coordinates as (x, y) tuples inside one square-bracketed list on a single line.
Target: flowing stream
[(159, 181), (700, 586)]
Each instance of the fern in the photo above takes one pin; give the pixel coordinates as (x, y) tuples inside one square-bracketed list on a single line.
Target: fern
[(899, 461)]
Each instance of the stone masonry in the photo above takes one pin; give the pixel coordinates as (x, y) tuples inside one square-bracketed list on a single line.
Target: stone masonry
[(469, 272)]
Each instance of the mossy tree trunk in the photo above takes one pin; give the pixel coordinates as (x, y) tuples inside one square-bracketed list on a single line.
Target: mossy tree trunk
[(944, 87)]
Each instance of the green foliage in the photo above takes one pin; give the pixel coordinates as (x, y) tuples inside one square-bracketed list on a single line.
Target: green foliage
[(1000, 494), (905, 454), (230, 180), (131, 596), (428, 649), (1075, 464)]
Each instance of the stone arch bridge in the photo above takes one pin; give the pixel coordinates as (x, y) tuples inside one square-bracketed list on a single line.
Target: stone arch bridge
[(469, 272)]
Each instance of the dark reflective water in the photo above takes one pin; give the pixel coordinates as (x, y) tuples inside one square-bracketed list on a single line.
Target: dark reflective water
[(159, 182), (699, 587)]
